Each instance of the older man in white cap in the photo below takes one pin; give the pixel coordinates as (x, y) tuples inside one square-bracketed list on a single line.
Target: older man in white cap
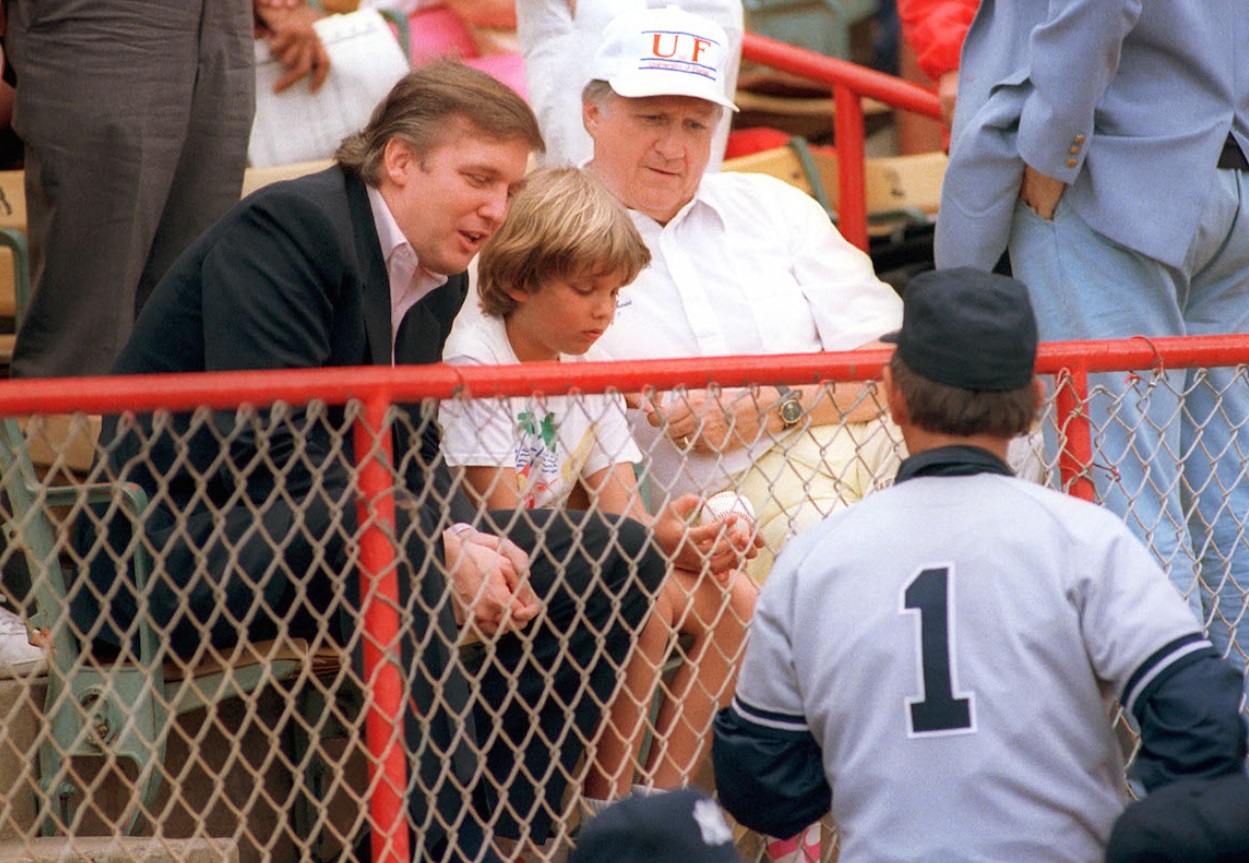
[(559, 39), (742, 264)]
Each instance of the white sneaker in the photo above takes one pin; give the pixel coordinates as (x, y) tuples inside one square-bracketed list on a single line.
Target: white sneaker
[(17, 654)]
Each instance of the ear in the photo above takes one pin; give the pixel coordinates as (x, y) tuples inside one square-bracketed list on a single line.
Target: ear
[(398, 159), (591, 116), (518, 295), (893, 397)]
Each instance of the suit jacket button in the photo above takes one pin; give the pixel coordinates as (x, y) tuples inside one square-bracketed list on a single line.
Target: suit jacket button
[(1075, 151), (1079, 139), (1071, 163)]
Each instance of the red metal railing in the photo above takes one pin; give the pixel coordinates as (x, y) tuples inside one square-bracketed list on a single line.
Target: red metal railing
[(850, 83), (378, 388)]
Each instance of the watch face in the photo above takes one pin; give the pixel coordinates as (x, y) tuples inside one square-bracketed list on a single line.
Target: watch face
[(791, 411)]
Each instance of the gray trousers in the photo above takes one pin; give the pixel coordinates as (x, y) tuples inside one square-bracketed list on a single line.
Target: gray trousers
[(135, 115)]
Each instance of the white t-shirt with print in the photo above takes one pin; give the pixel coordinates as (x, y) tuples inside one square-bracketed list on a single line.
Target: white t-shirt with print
[(550, 441)]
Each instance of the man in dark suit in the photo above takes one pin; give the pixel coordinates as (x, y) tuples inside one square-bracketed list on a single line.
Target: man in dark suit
[(253, 516)]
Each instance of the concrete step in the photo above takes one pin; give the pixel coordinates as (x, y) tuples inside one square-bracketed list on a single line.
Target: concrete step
[(111, 849)]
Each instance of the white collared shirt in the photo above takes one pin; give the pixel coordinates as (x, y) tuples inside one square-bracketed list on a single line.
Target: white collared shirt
[(751, 265), (409, 281)]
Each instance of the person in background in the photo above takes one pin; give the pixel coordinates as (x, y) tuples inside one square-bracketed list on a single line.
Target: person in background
[(135, 118), (952, 647), (935, 30), (1104, 144), (548, 282), (286, 26)]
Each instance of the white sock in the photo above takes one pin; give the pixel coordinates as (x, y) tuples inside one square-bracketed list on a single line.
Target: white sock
[(592, 806)]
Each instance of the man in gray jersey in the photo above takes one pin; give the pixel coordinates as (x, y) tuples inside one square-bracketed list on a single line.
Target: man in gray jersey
[(948, 693)]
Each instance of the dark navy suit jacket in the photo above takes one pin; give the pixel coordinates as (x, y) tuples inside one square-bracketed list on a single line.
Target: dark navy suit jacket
[(292, 277)]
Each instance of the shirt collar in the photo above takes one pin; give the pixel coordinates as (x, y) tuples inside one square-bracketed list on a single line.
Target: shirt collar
[(700, 199), (387, 228), (409, 281), (952, 461)]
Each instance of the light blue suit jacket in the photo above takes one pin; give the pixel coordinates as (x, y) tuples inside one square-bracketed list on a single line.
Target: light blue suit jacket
[(1127, 101)]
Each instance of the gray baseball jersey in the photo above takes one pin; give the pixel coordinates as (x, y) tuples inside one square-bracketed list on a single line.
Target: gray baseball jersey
[(954, 645)]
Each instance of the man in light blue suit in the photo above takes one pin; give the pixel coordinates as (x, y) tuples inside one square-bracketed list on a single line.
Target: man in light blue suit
[(1103, 143)]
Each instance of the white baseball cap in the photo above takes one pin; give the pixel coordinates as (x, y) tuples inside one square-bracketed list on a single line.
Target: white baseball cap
[(664, 52)]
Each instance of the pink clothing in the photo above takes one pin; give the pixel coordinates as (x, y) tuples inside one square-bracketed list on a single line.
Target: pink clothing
[(436, 32)]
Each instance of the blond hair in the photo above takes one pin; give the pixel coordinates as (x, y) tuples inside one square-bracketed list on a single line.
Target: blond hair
[(562, 223), (423, 108)]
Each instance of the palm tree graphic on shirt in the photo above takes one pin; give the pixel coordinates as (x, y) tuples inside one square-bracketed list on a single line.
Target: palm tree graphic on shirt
[(538, 441), (541, 474), (546, 430)]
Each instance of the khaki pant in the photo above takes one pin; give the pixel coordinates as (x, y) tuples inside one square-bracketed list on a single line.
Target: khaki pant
[(814, 472)]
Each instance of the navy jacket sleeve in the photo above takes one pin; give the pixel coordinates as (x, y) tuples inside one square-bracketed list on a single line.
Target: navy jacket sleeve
[(1190, 721), (771, 780)]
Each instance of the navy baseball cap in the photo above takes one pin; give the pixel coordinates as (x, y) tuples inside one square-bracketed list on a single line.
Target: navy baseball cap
[(682, 826), (968, 329)]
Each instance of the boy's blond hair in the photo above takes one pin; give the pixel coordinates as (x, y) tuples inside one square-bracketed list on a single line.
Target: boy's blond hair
[(563, 223)]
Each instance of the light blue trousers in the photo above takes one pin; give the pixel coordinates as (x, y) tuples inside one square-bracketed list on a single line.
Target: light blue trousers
[(1171, 453)]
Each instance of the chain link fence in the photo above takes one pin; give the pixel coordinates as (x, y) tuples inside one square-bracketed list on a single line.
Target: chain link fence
[(250, 622)]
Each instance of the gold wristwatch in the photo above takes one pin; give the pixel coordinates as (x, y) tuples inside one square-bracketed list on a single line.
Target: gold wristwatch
[(789, 407)]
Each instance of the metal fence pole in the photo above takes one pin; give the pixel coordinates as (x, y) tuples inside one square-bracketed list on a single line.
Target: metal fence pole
[(848, 137), (379, 590), (1075, 457)]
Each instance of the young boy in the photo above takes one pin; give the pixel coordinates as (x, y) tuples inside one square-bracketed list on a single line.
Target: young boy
[(548, 283)]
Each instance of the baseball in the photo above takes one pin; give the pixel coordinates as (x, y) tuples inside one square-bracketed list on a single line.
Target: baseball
[(720, 506)]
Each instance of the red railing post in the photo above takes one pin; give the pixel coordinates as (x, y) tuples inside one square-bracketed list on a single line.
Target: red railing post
[(1075, 456), (849, 83), (848, 135), (379, 592)]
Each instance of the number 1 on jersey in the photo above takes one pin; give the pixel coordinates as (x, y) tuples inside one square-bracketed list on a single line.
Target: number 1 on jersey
[(938, 711)]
